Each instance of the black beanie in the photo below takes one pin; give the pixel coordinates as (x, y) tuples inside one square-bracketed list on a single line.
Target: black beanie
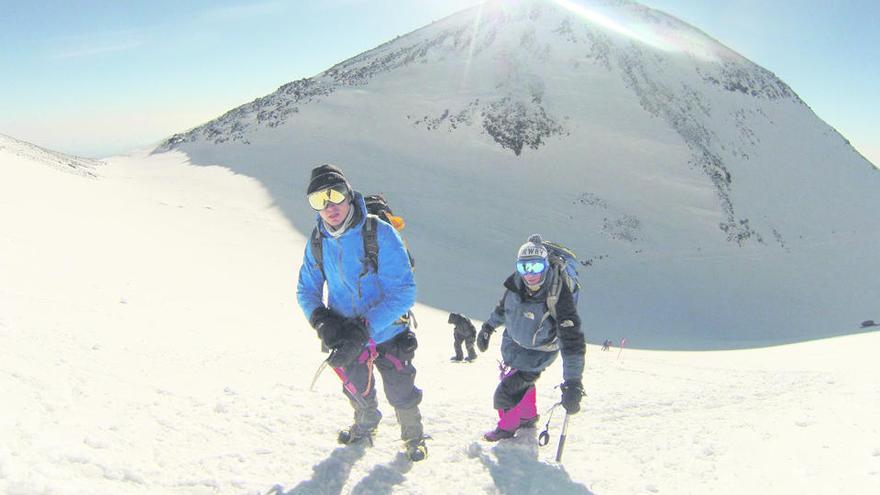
[(326, 176)]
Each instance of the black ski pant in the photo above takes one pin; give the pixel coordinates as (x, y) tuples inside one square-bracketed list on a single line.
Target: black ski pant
[(393, 361), (468, 342)]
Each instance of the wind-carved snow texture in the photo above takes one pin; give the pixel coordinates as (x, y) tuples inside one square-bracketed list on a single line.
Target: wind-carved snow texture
[(625, 228), (590, 199), (779, 238), (620, 227), (66, 163), (741, 118)]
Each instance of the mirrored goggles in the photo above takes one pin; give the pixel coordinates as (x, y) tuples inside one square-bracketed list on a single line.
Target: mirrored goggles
[(531, 266), (318, 200)]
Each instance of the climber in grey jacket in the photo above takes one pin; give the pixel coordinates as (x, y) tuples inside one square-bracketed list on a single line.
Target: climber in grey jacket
[(532, 339)]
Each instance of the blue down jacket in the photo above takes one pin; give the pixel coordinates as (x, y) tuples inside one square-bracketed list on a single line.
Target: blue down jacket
[(532, 338), (379, 298)]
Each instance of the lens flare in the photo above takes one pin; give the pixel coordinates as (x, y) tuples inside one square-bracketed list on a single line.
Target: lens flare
[(596, 18), (681, 38), (475, 31)]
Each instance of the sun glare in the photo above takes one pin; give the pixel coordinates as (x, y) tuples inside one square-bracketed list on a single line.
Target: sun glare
[(474, 33), (677, 40), (595, 17)]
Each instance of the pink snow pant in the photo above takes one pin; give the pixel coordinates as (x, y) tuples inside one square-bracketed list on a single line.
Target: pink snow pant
[(515, 399)]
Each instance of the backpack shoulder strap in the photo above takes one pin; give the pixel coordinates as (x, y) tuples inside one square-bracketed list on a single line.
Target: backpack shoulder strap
[(371, 245), (371, 242), (555, 288), (317, 248)]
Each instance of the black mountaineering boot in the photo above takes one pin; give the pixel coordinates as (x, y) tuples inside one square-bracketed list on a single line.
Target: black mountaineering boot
[(416, 449), (355, 435)]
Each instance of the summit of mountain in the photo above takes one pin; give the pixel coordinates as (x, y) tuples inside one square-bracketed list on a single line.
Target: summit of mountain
[(698, 189)]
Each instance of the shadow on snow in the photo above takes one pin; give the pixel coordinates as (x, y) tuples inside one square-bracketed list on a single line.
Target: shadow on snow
[(517, 470), (330, 475)]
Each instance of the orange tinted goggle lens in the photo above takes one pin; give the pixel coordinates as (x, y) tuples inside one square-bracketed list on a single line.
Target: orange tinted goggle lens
[(318, 200)]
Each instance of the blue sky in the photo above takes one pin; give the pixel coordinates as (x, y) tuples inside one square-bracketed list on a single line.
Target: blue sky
[(97, 77)]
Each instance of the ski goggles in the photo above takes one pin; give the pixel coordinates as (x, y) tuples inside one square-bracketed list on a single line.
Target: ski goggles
[(319, 200), (531, 266)]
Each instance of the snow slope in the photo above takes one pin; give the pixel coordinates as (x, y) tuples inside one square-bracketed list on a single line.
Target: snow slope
[(710, 207), (150, 343), (14, 149)]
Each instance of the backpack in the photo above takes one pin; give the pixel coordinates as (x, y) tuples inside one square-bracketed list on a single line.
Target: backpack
[(378, 205), (377, 209), (564, 261)]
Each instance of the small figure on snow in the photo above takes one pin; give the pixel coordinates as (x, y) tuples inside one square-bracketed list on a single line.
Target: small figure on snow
[(366, 319), (466, 333), (534, 335), (606, 345)]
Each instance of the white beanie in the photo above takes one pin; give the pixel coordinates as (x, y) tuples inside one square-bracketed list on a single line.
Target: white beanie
[(533, 248)]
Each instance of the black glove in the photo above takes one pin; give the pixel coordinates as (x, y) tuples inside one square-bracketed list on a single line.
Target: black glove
[(483, 337), (572, 391), (328, 324), (353, 336), (406, 342)]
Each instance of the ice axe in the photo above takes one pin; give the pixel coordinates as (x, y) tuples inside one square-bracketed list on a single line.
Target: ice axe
[(341, 374), (544, 437), (562, 436), (318, 372)]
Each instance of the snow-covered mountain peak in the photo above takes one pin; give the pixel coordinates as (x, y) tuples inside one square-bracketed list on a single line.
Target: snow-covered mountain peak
[(631, 136), (511, 47)]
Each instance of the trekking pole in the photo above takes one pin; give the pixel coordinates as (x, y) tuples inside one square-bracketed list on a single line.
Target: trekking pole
[(562, 439)]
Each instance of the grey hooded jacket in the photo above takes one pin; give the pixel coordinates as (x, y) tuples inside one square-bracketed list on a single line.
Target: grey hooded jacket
[(532, 336)]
